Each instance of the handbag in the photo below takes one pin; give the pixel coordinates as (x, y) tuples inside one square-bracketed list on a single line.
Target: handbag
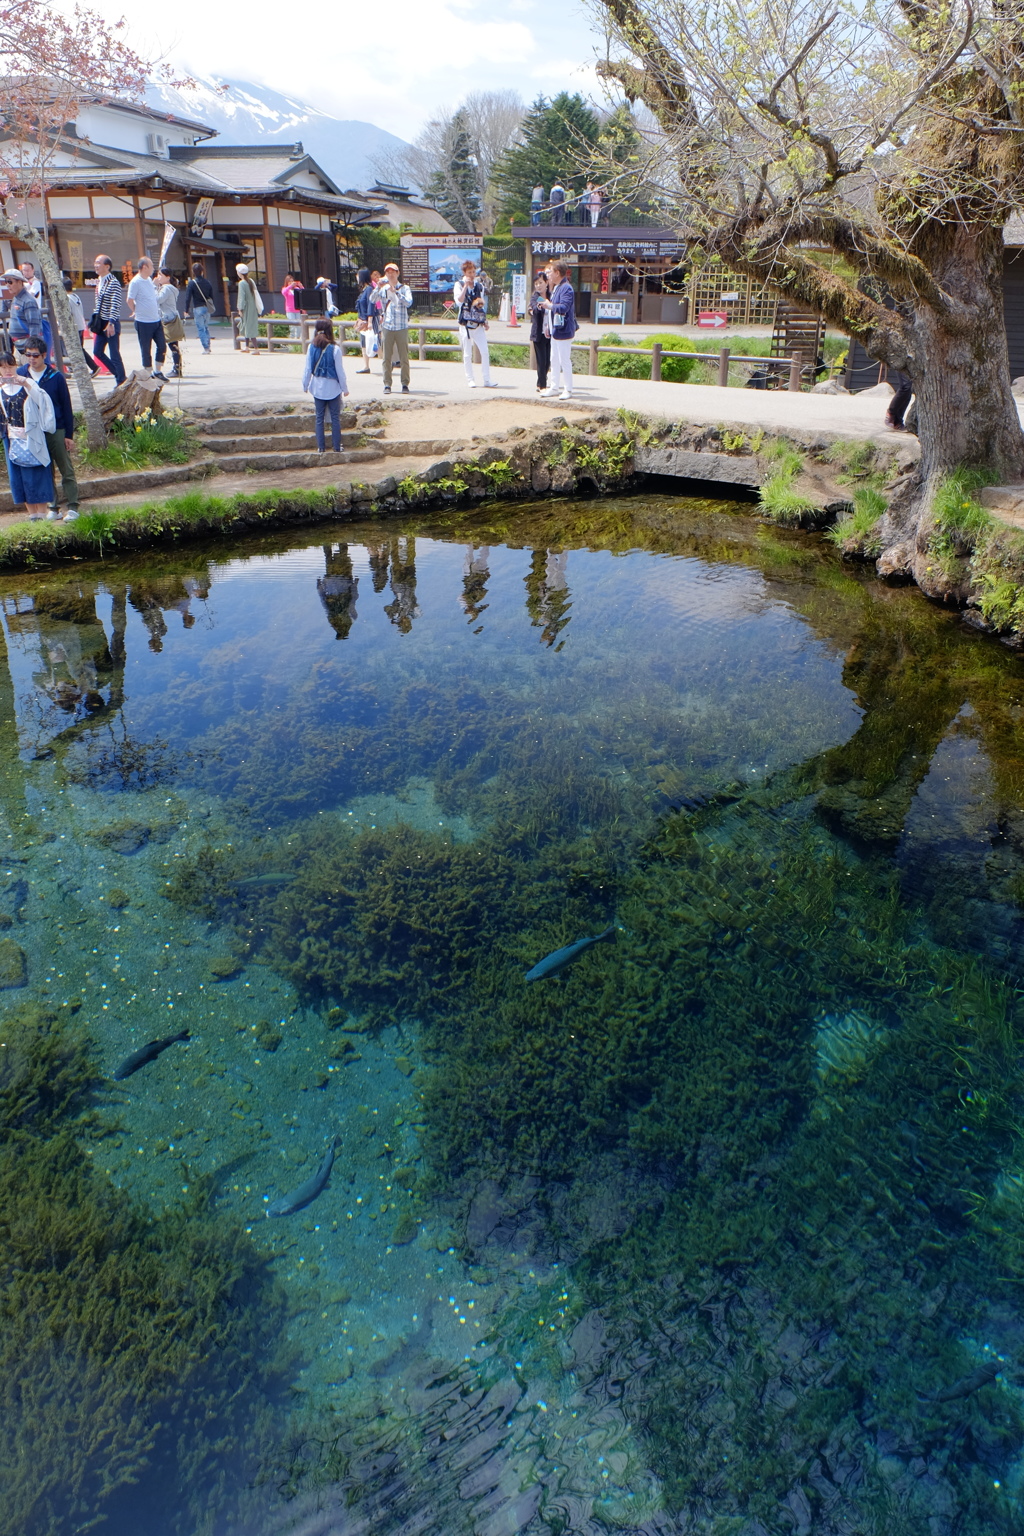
[(174, 329), (97, 323), (22, 455)]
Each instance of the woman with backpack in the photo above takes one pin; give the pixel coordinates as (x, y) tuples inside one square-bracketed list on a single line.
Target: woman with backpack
[(250, 307), (325, 380)]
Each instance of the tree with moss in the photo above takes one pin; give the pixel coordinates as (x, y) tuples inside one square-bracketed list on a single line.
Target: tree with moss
[(557, 140), (890, 138)]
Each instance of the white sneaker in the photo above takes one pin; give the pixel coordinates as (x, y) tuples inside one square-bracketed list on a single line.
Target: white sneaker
[(548, 392), (489, 384), (471, 383), (53, 516), (565, 395), (69, 517)]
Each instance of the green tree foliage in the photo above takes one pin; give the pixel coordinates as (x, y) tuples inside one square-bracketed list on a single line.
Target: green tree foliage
[(557, 140), (455, 186)]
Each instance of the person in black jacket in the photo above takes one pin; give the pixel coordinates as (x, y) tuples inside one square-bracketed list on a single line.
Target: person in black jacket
[(60, 439), (540, 338)]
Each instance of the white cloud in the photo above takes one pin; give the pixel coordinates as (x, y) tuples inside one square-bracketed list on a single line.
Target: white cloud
[(394, 66)]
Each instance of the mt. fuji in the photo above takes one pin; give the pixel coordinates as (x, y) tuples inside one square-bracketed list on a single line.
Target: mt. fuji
[(244, 113)]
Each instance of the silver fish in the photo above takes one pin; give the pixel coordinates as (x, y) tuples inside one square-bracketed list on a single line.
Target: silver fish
[(560, 958), (306, 1193)]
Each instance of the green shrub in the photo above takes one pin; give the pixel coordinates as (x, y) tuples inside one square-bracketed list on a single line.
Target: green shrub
[(960, 519), (674, 370), (626, 366)]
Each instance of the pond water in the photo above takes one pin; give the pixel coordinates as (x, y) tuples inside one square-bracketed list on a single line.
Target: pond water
[(717, 1229)]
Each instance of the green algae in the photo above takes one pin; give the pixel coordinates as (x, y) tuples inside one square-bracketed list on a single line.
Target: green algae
[(134, 1352)]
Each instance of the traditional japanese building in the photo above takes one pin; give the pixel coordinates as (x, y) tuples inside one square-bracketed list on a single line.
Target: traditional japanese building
[(131, 181)]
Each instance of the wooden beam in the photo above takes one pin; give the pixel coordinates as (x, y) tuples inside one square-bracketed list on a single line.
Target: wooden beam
[(140, 233), (268, 253)]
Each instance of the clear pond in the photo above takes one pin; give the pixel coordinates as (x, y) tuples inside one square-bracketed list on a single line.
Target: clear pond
[(719, 1229)]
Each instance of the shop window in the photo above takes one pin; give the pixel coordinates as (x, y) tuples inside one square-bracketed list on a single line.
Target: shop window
[(254, 258)]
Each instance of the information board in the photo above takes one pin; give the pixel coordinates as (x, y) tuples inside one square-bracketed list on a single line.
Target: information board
[(613, 310)]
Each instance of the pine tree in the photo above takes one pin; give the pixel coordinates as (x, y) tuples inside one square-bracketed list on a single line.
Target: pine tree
[(557, 141), (454, 188)]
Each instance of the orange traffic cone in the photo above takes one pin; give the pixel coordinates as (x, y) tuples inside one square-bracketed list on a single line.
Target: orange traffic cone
[(513, 317)]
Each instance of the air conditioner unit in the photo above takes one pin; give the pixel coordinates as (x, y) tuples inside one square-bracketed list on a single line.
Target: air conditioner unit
[(157, 145)]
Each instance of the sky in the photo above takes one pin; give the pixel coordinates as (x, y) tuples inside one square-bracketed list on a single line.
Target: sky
[(394, 64)]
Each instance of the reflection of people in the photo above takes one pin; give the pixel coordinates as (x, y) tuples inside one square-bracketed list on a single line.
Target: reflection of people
[(475, 576), (338, 589), (547, 594), (472, 301), (379, 555), (162, 594), (403, 585)]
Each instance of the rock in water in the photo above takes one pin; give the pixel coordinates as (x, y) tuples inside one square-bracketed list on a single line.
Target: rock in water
[(13, 964)]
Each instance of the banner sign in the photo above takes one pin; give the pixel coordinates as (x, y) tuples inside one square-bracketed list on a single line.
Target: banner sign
[(201, 217), (628, 248), (169, 234)]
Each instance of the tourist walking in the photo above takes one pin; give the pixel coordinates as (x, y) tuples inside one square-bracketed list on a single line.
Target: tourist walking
[(105, 323), (199, 302), (561, 308), (540, 329), (557, 200), (24, 318), (325, 380), (536, 204), (26, 415), (395, 300), (593, 200), (80, 321), (250, 307), (471, 297), (167, 295), (60, 436), (144, 308), (290, 290), (367, 319)]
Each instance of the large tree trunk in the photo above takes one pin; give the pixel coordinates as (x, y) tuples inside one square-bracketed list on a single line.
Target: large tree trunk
[(62, 313), (966, 413)]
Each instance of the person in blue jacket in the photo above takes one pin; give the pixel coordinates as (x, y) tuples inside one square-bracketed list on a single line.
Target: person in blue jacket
[(324, 378), (58, 441), (368, 324), (561, 309)]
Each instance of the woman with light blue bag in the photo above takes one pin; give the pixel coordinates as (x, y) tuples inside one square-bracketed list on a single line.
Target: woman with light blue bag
[(26, 415)]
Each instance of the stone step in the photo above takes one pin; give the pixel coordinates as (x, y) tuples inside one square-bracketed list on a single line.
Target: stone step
[(283, 442), (259, 426), (264, 462)]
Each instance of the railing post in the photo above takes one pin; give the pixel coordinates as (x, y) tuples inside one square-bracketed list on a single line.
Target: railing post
[(656, 363), (270, 336), (423, 343), (795, 367), (593, 354), (723, 368)]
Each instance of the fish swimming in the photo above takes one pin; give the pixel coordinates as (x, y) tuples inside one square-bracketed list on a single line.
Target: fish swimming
[(146, 1054), (306, 1193), (560, 958), (272, 877)]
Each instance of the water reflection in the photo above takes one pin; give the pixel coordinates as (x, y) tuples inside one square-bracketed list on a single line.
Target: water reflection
[(728, 1218)]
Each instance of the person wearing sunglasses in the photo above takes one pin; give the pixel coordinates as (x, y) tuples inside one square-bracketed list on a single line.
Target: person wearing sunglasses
[(60, 439)]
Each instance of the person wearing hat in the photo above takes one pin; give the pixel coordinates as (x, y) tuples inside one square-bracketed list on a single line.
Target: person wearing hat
[(25, 318), (248, 309), (395, 300)]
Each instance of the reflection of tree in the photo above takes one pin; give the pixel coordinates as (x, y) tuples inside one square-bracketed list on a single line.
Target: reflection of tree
[(403, 584), (158, 595), (338, 589), (547, 594), (475, 576)]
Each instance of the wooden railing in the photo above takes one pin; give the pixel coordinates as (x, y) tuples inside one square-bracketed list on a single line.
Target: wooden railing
[(306, 324)]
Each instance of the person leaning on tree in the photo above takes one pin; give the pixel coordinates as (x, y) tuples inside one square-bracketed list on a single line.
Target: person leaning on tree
[(105, 323), (395, 300), (60, 438)]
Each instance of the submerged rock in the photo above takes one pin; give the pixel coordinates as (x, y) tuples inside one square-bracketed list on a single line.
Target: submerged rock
[(13, 964)]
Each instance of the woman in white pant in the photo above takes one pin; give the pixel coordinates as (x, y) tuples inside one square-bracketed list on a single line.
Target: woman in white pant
[(561, 308), (469, 295)]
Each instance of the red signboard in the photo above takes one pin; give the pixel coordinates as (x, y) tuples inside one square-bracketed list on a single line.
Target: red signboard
[(713, 318)]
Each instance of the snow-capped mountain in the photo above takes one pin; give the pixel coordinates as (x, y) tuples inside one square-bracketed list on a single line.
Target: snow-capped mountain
[(244, 113)]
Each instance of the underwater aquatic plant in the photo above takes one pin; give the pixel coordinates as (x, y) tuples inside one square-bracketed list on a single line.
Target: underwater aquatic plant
[(139, 1357)]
